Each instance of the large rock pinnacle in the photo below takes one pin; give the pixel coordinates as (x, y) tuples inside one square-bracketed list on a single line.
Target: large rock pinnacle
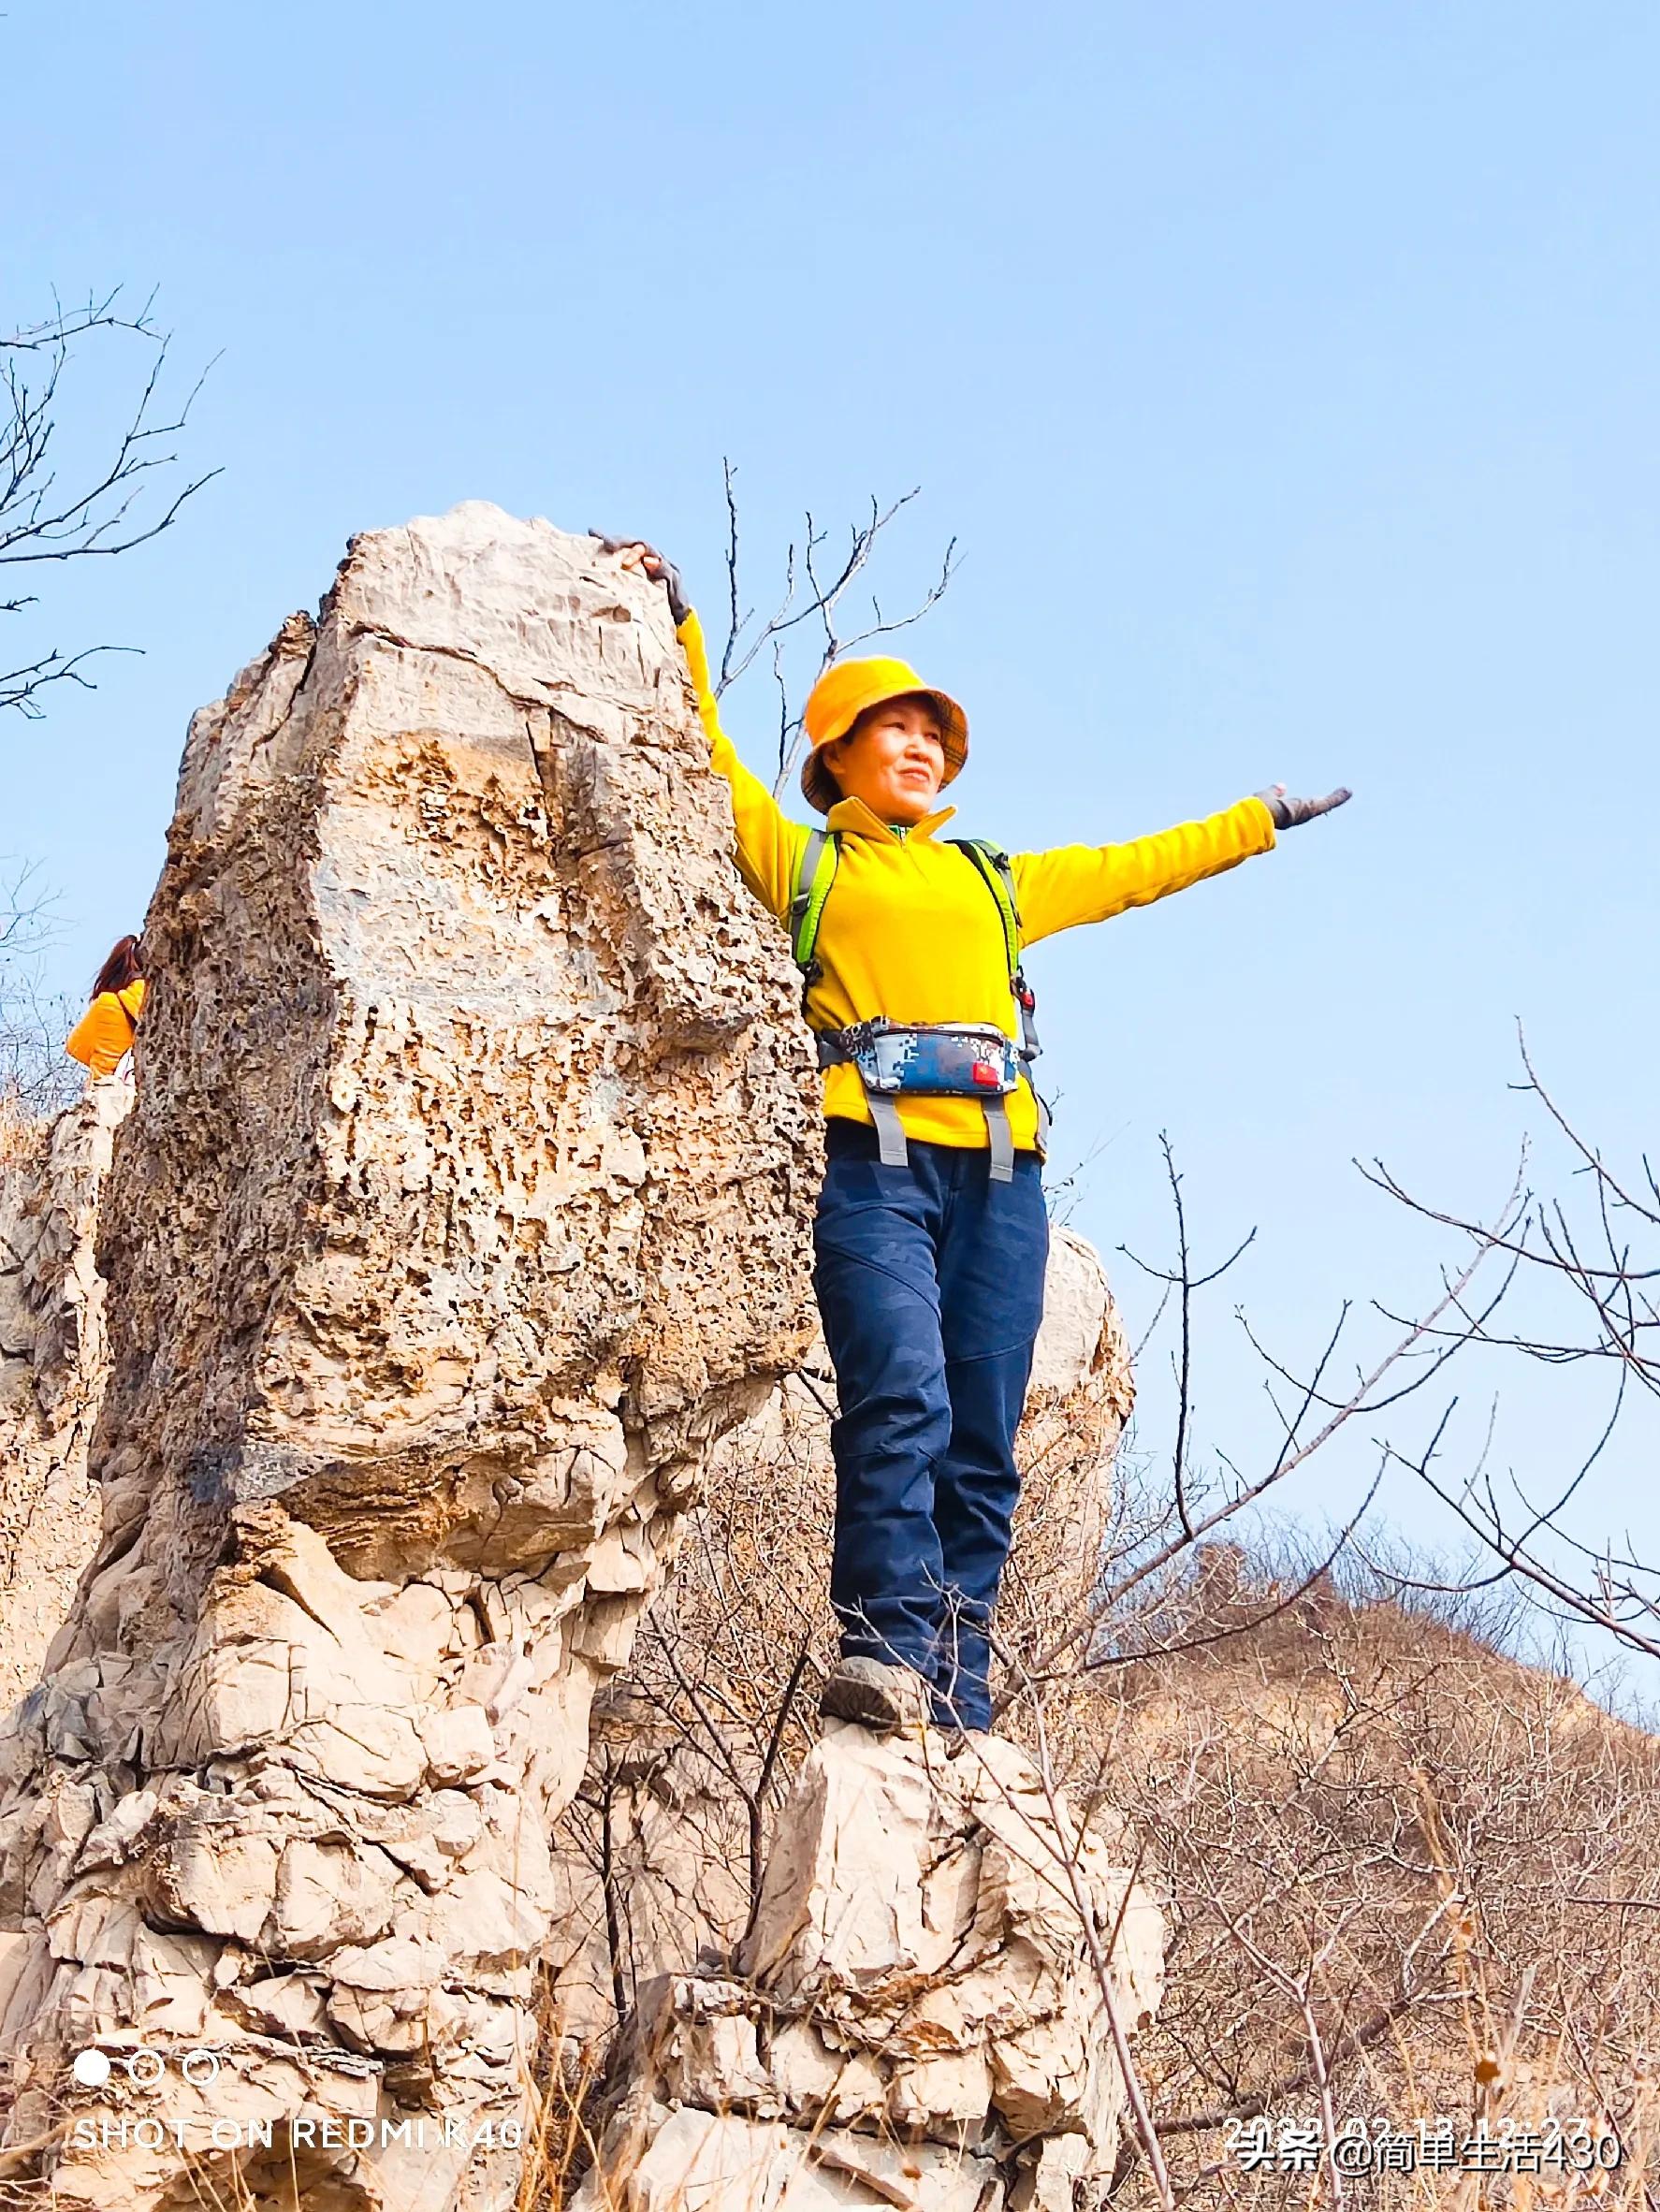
[(463, 1206)]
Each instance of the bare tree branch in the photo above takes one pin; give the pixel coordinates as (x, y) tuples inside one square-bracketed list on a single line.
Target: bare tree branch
[(813, 593), (1592, 1252), (35, 1076), (113, 500), (1296, 1449)]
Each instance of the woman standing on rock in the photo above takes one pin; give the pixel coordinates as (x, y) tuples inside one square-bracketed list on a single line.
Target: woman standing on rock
[(931, 1234), (104, 1035)]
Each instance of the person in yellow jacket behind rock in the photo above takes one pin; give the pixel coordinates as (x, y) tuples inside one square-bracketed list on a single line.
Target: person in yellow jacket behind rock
[(104, 1035), (931, 1234)]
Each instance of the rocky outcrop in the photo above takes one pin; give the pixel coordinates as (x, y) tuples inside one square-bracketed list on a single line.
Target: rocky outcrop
[(918, 2013), (692, 1749), (463, 1206), (53, 1361)]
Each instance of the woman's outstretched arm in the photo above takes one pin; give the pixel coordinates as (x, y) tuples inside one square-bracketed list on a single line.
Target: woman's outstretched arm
[(1089, 883), (1075, 883)]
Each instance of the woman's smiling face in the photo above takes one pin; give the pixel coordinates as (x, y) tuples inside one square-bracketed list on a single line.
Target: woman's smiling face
[(893, 758)]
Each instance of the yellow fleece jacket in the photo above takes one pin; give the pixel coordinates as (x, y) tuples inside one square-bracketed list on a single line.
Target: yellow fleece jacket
[(104, 1033), (911, 929)]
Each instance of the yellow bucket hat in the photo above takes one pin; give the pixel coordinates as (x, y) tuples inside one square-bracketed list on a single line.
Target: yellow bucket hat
[(841, 695)]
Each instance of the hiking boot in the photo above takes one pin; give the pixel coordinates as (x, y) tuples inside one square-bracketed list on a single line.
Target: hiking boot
[(875, 1695)]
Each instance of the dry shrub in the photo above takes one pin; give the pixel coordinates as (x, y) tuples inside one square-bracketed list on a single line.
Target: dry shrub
[(1409, 1878)]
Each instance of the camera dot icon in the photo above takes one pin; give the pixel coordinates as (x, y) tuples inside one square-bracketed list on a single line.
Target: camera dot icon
[(145, 2067)]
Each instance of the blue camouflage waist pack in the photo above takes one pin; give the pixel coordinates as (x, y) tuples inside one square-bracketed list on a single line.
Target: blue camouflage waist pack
[(937, 1060)]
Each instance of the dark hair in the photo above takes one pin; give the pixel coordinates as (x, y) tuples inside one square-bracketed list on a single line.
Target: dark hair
[(121, 968)]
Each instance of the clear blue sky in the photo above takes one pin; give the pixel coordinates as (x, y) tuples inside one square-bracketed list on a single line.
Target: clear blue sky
[(1287, 374)]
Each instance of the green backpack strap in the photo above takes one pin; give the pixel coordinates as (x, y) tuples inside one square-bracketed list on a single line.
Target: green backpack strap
[(815, 871), (998, 871)]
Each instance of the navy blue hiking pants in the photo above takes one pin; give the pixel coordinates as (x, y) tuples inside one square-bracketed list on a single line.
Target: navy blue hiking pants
[(930, 1285)]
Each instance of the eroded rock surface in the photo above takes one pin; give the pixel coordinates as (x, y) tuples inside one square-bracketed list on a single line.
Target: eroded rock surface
[(53, 1361), (463, 1205), (918, 2014)]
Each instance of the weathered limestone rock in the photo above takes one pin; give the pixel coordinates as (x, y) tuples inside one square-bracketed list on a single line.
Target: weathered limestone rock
[(919, 2005), (463, 1205), (53, 1361), (652, 1858), (1081, 1335)]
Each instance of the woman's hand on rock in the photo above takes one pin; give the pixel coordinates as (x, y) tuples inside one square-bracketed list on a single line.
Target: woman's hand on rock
[(635, 554)]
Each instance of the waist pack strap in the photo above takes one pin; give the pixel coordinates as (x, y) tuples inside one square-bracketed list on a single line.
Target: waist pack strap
[(1002, 1140), (890, 1130), (893, 1153)]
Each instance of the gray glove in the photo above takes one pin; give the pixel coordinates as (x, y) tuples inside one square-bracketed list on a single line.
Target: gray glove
[(661, 571), (1288, 813)]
